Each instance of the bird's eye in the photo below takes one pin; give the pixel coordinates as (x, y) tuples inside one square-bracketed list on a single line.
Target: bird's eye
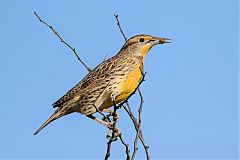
[(141, 40)]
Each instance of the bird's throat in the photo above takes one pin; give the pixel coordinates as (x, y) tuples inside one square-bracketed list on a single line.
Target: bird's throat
[(144, 50)]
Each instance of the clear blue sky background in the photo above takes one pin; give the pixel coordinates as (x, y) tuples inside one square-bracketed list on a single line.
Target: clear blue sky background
[(191, 88)]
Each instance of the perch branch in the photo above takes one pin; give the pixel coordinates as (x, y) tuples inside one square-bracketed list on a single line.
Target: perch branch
[(113, 136), (62, 40)]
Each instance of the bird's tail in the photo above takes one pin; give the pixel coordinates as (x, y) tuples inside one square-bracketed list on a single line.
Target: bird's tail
[(57, 114)]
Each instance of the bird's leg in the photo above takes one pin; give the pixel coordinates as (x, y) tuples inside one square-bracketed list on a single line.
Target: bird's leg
[(108, 125), (116, 115), (115, 131)]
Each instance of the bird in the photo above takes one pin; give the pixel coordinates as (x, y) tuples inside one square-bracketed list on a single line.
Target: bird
[(109, 83)]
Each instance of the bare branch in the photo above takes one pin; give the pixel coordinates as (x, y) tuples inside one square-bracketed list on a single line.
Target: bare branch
[(120, 28), (131, 115), (134, 120), (139, 125), (62, 40), (127, 151), (108, 149), (113, 136)]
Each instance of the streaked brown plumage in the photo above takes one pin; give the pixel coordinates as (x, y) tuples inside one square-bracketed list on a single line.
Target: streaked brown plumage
[(114, 79)]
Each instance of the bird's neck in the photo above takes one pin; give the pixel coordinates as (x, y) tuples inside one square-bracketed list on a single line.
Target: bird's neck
[(134, 54)]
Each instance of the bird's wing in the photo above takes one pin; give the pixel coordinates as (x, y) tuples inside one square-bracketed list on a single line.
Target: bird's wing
[(98, 74), (84, 83)]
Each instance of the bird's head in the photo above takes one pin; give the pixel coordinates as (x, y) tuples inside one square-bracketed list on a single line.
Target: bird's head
[(141, 44)]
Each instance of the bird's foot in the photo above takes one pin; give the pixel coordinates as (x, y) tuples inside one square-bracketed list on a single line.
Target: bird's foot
[(113, 132), (115, 115), (106, 118)]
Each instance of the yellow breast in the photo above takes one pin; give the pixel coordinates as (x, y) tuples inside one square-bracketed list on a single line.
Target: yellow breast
[(129, 84), (124, 89)]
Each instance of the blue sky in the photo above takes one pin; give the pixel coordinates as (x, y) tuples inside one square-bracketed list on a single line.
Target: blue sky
[(190, 93)]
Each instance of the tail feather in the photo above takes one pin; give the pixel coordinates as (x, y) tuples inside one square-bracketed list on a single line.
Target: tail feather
[(57, 114)]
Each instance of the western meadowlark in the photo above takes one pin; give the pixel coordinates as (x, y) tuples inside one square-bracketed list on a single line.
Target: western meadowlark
[(112, 80)]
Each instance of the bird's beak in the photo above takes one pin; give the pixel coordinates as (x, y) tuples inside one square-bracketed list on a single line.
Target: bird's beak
[(161, 40)]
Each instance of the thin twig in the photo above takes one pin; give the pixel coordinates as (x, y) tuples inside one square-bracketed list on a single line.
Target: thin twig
[(62, 40), (120, 28), (139, 124), (135, 124), (108, 149), (134, 120), (129, 112), (127, 151)]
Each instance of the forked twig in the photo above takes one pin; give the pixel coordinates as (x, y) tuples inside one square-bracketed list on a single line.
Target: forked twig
[(61, 39)]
